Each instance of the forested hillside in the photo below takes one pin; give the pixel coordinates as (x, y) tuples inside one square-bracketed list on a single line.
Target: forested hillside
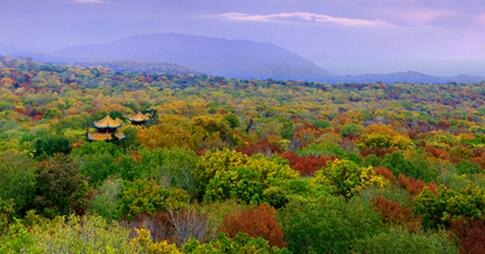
[(201, 164)]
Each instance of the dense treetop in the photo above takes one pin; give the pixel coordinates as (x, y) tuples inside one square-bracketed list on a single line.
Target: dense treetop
[(318, 168)]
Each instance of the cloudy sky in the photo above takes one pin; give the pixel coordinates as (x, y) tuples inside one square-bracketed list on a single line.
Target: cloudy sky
[(443, 37)]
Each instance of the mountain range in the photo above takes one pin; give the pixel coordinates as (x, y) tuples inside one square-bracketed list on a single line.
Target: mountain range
[(228, 58)]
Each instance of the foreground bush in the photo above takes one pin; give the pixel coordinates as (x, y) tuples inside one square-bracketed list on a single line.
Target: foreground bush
[(241, 243), (397, 241), (17, 179), (72, 235), (142, 196), (347, 178), (229, 174), (439, 209), (256, 222), (470, 235), (327, 225)]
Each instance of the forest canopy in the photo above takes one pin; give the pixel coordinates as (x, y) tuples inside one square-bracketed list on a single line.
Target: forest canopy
[(219, 165)]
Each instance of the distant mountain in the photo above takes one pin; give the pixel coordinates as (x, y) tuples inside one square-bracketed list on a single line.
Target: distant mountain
[(408, 77), (214, 56), (5, 49)]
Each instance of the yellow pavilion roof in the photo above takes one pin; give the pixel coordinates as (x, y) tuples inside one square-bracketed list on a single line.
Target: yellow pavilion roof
[(108, 122), (99, 136), (139, 117), (96, 136)]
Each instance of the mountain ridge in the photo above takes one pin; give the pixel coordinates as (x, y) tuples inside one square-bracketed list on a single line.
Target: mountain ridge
[(243, 59), (211, 55)]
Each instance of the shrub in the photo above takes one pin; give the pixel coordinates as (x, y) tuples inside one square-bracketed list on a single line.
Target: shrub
[(232, 120), (327, 225), (50, 145), (107, 201), (439, 209), (60, 187), (307, 165), (142, 196), (322, 149), (263, 146), (470, 235), (347, 177), (91, 148), (351, 130), (232, 175), (417, 168), (241, 243), (256, 222), (97, 167), (17, 179), (169, 167), (385, 172), (397, 240), (468, 168), (413, 186), (7, 212), (90, 234), (394, 213), (216, 212)]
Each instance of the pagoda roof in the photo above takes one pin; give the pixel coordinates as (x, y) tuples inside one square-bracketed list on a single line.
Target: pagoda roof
[(108, 122), (99, 136), (96, 136), (139, 117)]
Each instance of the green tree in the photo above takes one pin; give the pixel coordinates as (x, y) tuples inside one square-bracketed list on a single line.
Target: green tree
[(347, 178), (327, 224), (241, 243), (61, 188), (351, 129), (229, 174), (50, 145), (107, 201), (401, 241), (142, 196), (97, 167), (17, 178), (439, 209)]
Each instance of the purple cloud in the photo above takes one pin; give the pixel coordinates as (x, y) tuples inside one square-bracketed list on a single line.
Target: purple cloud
[(481, 19), (420, 16), (306, 17)]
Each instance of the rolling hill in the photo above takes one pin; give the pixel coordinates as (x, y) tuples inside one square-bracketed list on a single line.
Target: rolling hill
[(214, 56)]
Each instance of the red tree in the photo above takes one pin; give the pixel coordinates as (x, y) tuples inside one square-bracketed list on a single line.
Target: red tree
[(394, 213), (385, 172), (256, 222), (264, 146), (413, 186), (470, 234), (306, 165)]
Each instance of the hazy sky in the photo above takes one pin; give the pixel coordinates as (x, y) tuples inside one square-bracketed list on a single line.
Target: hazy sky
[(442, 37)]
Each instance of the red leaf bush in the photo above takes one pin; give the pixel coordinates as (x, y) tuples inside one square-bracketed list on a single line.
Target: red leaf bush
[(394, 213), (307, 165), (470, 235), (256, 222), (413, 186)]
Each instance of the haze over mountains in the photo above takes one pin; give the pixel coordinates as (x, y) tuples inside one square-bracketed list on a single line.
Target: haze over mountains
[(214, 56), (228, 58)]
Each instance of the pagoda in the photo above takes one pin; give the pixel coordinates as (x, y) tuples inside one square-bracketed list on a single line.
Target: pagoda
[(139, 118), (106, 130)]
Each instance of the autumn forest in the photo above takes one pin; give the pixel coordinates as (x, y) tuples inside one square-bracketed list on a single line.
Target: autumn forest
[(118, 159)]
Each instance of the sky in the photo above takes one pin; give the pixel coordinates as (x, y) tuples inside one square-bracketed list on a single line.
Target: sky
[(439, 37)]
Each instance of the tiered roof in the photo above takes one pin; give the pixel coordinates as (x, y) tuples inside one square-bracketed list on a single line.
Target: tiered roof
[(99, 136), (108, 123), (139, 117)]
